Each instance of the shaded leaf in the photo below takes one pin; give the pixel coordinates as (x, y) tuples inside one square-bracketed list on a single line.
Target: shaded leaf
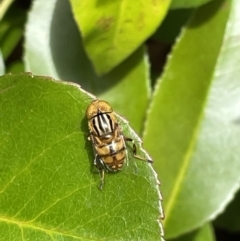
[(188, 3), (172, 25), (205, 233), (229, 220), (48, 188), (11, 30), (111, 32), (4, 5), (193, 129), (2, 67), (15, 67), (45, 56)]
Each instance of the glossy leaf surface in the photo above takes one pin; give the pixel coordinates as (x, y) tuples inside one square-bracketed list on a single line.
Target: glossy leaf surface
[(194, 119), (113, 31), (49, 188)]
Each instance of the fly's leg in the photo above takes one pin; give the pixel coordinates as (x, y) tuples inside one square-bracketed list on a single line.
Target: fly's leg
[(100, 166), (95, 160), (127, 158), (101, 172), (134, 163), (135, 151)]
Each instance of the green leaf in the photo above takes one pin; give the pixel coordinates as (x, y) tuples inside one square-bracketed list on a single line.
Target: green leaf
[(128, 88), (4, 5), (188, 3), (48, 187), (56, 54), (11, 30), (15, 67), (229, 220), (45, 56), (111, 32), (205, 233), (193, 127), (2, 67), (170, 28)]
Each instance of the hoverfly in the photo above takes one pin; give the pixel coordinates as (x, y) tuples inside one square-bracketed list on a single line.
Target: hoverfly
[(109, 143)]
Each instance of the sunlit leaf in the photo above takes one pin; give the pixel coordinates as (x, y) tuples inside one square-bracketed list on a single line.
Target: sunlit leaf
[(49, 188), (193, 124), (113, 31)]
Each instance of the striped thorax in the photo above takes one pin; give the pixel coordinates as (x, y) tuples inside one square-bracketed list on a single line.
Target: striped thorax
[(107, 138)]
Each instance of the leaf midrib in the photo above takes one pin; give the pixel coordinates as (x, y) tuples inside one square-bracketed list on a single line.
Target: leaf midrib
[(22, 224), (186, 162)]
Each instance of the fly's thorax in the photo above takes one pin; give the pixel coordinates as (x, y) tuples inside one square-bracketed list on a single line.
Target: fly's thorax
[(103, 124), (101, 119), (102, 141)]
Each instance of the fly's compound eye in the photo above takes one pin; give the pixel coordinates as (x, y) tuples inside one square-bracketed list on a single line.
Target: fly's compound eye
[(104, 107), (96, 107)]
